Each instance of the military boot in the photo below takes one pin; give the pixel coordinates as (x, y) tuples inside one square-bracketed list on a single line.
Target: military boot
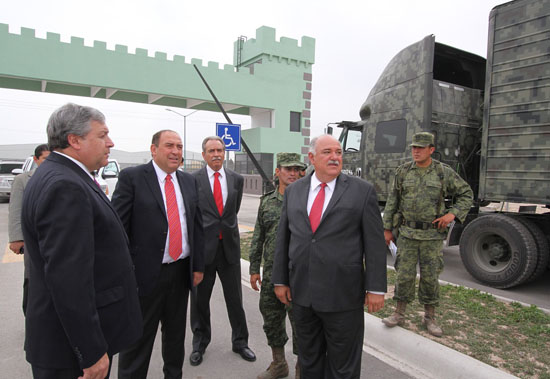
[(429, 321), (278, 368), (297, 375), (398, 316)]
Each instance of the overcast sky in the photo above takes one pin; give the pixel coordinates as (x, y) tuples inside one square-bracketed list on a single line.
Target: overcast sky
[(354, 42)]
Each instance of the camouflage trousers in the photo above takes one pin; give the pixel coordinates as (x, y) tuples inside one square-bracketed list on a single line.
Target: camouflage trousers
[(428, 255), (274, 313)]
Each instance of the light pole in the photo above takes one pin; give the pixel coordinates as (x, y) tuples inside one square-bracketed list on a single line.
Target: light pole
[(184, 133)]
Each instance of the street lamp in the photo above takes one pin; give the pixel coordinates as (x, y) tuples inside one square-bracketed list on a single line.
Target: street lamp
[(184, 132)]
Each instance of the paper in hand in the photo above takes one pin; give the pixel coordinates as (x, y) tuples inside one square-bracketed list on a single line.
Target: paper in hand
[(393, 249)]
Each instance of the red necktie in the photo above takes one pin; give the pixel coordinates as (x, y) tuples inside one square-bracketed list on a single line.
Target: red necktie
[(317, 208), (174, 226), (218, 197)]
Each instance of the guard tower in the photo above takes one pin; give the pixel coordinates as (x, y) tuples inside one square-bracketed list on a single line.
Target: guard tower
[(282, 122)]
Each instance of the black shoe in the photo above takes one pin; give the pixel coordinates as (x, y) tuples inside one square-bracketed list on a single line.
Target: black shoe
[(245, 353), (196, 358)]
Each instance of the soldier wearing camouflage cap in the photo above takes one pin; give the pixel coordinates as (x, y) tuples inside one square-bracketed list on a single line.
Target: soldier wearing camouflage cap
[(416, 209), (263, 244)]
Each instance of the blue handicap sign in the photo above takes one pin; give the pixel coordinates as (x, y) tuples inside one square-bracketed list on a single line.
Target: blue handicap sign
[(230, 134)]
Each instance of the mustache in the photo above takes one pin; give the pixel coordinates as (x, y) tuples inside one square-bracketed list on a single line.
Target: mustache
[(216, 159), (332, 161)]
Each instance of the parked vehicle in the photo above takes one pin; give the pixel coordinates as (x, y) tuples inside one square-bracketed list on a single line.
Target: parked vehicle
[(6, 177), (109, 175), (106, 176), (491, 124)]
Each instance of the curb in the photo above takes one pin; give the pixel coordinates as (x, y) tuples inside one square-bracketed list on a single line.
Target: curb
[(413, 354), (421, 357)]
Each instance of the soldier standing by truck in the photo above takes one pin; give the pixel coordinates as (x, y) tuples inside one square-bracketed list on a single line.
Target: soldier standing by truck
[(416, 208), (263, 243)]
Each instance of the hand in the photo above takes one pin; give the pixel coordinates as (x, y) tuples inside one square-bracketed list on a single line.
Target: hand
[(283, 294), (98, 370), (255, 278), (374, 302), (197, 278), (388, 236), (443, 221), (16, 246)]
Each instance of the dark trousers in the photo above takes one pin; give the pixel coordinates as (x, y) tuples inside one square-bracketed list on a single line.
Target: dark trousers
[(329, 343), (230, 276), (167, 304), (64, 373)]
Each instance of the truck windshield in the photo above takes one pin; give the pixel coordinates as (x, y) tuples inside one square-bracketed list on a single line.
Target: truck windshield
[(351, 139)]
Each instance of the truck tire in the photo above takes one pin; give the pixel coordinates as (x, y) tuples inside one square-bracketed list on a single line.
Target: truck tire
[(543, 251), (498, 250)]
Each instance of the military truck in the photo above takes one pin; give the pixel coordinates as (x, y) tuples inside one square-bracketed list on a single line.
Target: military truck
[(491, 121)]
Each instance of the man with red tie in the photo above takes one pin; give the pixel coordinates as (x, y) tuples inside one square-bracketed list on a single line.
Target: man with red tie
[(330, 262), (220, 192), (159, 207)]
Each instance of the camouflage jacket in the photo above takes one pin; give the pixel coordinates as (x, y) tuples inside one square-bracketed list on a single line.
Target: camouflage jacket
[(265, 233), (416, 195)]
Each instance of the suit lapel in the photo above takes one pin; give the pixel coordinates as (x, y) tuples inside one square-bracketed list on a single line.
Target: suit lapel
[(184, 189), (230, 180), (303, 194), (153, 184), (341, 186), (205, 186), (89, 182)]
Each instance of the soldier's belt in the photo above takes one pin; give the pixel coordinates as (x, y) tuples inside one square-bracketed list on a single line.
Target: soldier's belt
[(419, 225)]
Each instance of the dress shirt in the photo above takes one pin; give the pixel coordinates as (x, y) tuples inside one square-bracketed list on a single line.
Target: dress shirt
[(314, 189), (186, 250), (223, 181)]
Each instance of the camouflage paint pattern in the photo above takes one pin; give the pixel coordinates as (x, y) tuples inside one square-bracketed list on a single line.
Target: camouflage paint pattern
[(420, 197), (426, 87), (516, 141), (429, 256), (263, 245), (274, 314)]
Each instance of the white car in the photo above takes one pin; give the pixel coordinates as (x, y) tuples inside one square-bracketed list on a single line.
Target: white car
[(7, 176), (107, 177)]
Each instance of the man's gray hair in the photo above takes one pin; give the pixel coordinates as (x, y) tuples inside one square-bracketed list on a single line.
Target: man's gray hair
[(313, 142), (70, 119), (212, 138)]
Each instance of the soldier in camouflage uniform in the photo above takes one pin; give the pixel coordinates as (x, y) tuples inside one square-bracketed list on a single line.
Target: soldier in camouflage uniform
[(263, 244), (416, 208)]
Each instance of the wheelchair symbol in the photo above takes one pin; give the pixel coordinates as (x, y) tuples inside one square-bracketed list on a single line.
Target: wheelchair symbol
[(228, 139)]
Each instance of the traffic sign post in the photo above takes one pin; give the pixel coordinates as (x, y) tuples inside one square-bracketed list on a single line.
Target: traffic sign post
[(230, 134)]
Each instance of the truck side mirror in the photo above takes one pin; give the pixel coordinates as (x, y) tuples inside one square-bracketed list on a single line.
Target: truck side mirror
[(329, 130)]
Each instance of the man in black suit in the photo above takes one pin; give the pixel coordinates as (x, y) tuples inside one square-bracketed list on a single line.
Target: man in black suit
[(330, 261), (159, 207), (83, 305), (221, 191)]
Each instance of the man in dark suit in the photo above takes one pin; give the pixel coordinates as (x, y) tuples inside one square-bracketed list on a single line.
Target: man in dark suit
[(159, 207), (330, 261), (221, 191), (83, 305)]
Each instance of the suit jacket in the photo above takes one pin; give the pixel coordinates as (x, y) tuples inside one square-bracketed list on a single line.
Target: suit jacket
[(332, 268), (227, 222), (16, 203), (138, 201), (82, 289)]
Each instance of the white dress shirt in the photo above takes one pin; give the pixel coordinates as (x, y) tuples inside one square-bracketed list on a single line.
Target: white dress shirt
[(314, 188), (223, 181), (186, 250)]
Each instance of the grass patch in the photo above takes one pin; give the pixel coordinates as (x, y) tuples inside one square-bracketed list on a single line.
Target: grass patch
[(510, 337)]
